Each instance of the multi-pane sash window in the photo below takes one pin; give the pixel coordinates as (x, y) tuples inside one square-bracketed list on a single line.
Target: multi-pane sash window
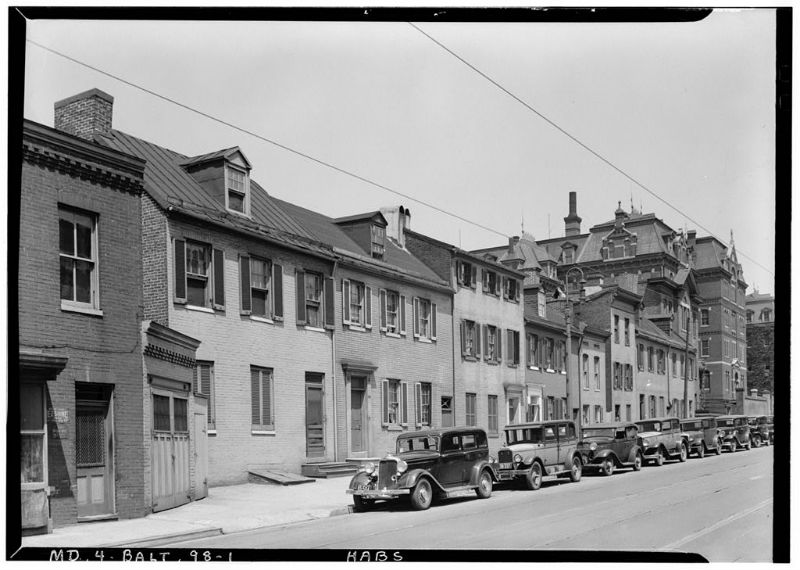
[(510, 289), (378, 240), (704, 344), (77, 242), (395, 402), (199, 274), (198, 269), (640, 357), (491, 282), (204, 384), (650, 358), (262, 400), (32, 429), (513, 347), (627, 332), (493, 345), (466, 274), (236, 181), (260, 285), (617, 376), (393, 312), (356, 304), (424, 318), (533, 349), (586, 371), (493, 424), (628, 377), (423, 403), (470, 408), (470, 339), (313, 297), (549, 354), (596, 372), (616, 329)]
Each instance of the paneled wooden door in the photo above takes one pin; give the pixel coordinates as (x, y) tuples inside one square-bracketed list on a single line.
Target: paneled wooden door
[(171, 478), (94, 450), (315, 415)]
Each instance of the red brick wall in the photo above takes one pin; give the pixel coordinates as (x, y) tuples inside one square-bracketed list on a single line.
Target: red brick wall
[(154, 261)]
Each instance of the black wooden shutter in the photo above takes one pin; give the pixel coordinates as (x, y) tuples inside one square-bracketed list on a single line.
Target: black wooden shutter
[(244, 280), (301, 297), (382, 303), (330, 293), (477, 348), (180, 271), (255, 398), (277, 287), (219, 279), (433, 321), (463, 338)]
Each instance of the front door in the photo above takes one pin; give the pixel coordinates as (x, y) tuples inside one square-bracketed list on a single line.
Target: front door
[(171, 476), (94, 451), (315, 416), (357, 397)]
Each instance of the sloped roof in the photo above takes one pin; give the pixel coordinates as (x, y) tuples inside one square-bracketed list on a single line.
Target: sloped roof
[(359, 217), (759, 297), (224, 153), (710, 253), (169, 184)]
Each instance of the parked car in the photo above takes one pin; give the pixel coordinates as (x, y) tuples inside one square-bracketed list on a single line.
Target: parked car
[(735, 432), (605, 447), (702, 435), (771, 429), (662, 439), (435, 462), (759, 430), (537, 450)]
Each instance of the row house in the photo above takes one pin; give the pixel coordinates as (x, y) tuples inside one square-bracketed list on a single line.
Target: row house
[(488, 333), (78, 375), (723, 325), (393, 332), (760, 326)]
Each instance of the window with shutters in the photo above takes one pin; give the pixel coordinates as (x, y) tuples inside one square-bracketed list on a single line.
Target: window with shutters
[(491, 283), (392, 306), (357, 304), (204, 384), (512, 347), (617, 376), (77, 241), (199, 275), (597, 373), (262, 403), (549, 355), (423, 403), (510, 289), (395, 403), (492, 345), (470, 339), (466, 274), (424, 319), (198, 272), (313, 297), (494, 428), (585, 367), (533, 351), (627, 332), (470, 408), (260, 286), (649, 358)]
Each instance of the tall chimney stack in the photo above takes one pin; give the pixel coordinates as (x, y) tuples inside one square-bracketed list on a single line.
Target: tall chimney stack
[(572, 223), (85, 114)]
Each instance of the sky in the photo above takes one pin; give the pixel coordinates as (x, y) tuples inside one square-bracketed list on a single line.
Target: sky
[(686, 109)]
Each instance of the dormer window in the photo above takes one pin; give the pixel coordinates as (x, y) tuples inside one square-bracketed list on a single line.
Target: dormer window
[(237, 186), (378, 239), (569, 255)]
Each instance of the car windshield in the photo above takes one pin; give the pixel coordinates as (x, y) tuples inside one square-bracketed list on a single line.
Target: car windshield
[(762, 420), (692, 425), (650, 426), (419, 443), (524, 435), (594, 433), (725, 423)]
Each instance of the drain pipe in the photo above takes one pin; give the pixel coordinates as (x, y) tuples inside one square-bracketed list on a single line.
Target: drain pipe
[(333, 368)]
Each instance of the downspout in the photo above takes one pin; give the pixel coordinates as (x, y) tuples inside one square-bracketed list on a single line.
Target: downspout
[(333, 369)]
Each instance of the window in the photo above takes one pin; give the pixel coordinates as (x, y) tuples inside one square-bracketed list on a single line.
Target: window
[(551, 405), (598, 414), (682, 371), (423, 401), (77, 241), (199, 276), (395, 402), (32, 430), (466, 274), (513, 347), (662, 362), (749, 316), (378, 241), (550, 355), (596, 372), (470, 339), (204, 384), (510, 289), (674, 365), (393, 312), (534, 413), (260, 273), (704, 317), (424, 319), (585, 414), (541, 302), (447, 411), (617, 417), (513, 410), (649, 358), (492, 344), (313, 299), (766, 316), (569, 255), (262, 406), (491, 283), (616, 329), (704, 347), (617, 377), (563, 409), (236, 182), (560, 356), (470, 407), (586, 371), (640, 357), (493, 427), (357, 304), (627, 332), (652, 406), (533, 350), (628, 377)]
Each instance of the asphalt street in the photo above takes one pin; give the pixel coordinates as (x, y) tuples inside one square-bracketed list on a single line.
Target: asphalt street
[(720, 507)]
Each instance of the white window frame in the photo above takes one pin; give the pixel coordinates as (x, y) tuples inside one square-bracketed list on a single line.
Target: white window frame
[(421, 406), (93, 306), (397, 417), (268, 304), (318, 304), (230, 169)]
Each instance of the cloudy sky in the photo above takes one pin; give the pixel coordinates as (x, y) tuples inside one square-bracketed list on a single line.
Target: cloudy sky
[(686, 109)]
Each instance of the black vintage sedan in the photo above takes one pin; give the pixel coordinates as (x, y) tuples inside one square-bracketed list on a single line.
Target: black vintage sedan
[(607, 446), (436, 462)]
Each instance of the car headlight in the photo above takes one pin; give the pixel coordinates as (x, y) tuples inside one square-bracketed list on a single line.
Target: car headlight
[(645, 442), (402, 466), (593, 446), (369, 468), (691, 439), (517, 458)]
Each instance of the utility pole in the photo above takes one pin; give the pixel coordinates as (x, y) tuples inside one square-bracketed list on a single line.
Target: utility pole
[(569, 315)]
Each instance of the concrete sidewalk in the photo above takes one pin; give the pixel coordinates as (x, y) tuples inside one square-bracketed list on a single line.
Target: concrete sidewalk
[(226, 509)]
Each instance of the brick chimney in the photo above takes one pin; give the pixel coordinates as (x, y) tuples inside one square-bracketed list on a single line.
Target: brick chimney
[(572, 223), (85, 114)]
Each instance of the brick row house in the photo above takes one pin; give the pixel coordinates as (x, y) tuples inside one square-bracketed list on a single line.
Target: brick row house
[(81, 435)]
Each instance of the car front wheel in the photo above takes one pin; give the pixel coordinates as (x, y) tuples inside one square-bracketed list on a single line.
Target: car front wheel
[(660, 458), (701, 451), (533, 480), (756, 442), (576, 471), (637, 462), (484, 490), (684, 453), (608, 467), (422, 495)]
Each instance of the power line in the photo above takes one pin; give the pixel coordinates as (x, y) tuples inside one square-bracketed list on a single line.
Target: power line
[(576, 140), (270, 141)]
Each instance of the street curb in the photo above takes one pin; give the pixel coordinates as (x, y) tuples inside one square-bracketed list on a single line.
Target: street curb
[(165, 539)]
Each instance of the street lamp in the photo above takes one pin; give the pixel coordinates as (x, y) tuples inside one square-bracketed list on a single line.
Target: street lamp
[(568, 316)]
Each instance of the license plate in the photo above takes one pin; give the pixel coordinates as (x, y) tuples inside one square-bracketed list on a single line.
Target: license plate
[(505, 466)]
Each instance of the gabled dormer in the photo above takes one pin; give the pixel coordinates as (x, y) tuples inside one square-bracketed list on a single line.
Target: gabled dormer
[(225, 175), (569, 253), (367, 230)]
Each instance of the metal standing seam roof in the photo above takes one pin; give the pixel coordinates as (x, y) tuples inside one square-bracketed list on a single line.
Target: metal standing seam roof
[(169, 183)]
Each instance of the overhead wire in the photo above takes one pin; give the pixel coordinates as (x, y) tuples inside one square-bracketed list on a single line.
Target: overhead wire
[(270, 141), (578, 141)]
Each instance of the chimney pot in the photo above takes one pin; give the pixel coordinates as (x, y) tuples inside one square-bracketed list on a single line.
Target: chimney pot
[(85, 114)]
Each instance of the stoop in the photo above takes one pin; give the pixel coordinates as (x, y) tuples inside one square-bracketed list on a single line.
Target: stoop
[(264, 474)]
